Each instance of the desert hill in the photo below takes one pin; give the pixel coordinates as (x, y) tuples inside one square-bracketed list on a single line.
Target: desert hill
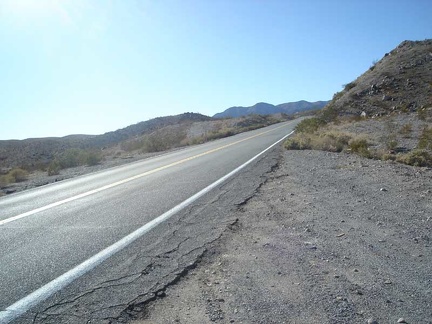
[(35, 151), (400, 82), (385, 114)]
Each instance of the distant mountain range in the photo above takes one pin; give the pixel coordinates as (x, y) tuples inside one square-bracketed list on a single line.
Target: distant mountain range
[(263, 108)]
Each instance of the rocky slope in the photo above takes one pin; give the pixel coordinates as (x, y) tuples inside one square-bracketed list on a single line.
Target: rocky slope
[(400, 82)]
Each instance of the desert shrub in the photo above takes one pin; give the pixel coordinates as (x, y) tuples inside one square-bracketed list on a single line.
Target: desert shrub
[(425, 139), (309, 125), (406, 130), (328, 114), (54, 167), (349, 86), (298, 142), (70, 158), (418, 157), (5, 180), (374, 63), (14, 175), (391, 143), (332, 142), (337, 95), (387, 157), (359, 146), (327, 141), (92, 158), (18, 174)]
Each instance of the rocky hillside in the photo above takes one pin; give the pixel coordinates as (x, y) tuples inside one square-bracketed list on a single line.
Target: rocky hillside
[(400, 82), (263, 108)]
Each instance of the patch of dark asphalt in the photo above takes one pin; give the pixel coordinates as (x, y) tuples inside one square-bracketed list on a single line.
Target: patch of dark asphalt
[(327, 238)]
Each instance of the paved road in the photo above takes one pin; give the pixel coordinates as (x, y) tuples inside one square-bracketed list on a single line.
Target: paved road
[(48, 231)]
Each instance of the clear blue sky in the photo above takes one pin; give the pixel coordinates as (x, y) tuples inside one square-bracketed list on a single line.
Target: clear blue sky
[(92, 66)]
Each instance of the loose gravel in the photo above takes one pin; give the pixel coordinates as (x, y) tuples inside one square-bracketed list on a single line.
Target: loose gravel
[(329, 238)]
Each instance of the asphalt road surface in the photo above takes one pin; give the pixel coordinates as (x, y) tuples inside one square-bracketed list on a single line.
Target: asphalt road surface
[(86, 249)]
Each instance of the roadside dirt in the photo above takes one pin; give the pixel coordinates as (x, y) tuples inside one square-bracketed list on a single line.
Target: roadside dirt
[(329, 238)]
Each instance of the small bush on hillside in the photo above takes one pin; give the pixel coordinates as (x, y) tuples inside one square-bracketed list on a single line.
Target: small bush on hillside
[(309, 125), (92, 158), (70, 158), (349, 86), (329, 114), (391, 144), (406, 130), (332, 142), (420, 158), (298, 142), (54, 167), (359, 146), (374, 63), (337, 95), (14, 175), (5, 180), (19, 175), (425, 139)]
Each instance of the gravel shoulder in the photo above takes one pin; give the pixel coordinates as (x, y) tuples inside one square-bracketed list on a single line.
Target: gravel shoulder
[(328, 238)]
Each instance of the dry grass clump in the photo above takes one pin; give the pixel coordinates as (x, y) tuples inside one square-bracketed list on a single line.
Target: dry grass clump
[(360, 146), (324, 141), (425, 139), (13, 176), (417, 157), (406, 130), (315, 134)]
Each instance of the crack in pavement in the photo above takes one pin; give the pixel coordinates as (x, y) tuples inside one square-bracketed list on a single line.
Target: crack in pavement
[(158, 260)]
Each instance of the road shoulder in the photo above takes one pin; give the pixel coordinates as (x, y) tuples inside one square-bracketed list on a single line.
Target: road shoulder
[(328, 238)]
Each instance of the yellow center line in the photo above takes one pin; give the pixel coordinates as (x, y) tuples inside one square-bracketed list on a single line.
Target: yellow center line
[(138, 176)]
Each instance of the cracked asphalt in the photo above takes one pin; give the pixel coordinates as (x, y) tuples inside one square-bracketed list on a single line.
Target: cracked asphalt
[(118, 289), (157, 261)]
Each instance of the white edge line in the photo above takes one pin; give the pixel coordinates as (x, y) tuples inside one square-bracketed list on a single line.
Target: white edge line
[(23, 305)]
